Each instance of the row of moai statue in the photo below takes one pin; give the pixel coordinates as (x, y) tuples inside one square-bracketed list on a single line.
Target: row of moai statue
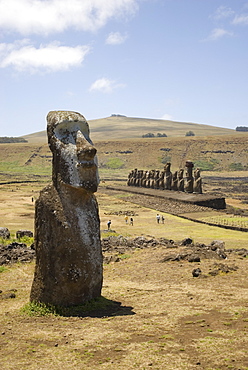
[(166, 180)]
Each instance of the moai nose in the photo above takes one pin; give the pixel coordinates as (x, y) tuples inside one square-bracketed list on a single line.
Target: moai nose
[(85, 150)]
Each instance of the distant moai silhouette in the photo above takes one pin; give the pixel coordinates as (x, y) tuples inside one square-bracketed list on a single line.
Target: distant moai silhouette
[(168, 176), (197, 181), (189, 180), (180, 183), (174, 181), (156, 179), (161, 180)]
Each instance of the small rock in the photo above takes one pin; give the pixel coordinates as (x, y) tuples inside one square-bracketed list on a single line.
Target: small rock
[(186, 241), (194, 259), (196, 272)]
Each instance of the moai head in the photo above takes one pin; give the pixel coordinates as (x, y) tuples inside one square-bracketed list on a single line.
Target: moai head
[(197, 173), (175, 175), (189, 166), (167, 167), (74, 156), (180, 173)]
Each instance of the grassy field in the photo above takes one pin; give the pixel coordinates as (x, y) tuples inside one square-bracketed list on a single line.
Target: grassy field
[(157, 316), (153, 314)]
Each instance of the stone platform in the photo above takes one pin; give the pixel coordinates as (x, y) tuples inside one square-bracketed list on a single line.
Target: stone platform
[(205, 200)]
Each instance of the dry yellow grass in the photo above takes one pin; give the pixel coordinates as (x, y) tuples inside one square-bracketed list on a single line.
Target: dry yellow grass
[(112, 128)]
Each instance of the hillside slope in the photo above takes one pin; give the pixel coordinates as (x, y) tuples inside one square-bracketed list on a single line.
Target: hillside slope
[(115, 127), (218, 153)]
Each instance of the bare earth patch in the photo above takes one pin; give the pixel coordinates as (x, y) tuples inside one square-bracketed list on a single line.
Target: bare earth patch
[(165, 319), (160, 316)]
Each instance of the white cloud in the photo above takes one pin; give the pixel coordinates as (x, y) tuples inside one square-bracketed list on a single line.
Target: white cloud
[(23, 56), (167, 117), (218, 33), (105, 85), (241, 19), (223, 12), (115, 38), (45, 17)]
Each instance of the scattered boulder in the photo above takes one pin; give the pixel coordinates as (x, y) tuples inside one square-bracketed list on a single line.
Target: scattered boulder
[(8, 294), (120, 243), (4, 233), (22, 233), (194, 258), (221, 267), (242, 252), (196, 272), (186, 241), (15, 252)]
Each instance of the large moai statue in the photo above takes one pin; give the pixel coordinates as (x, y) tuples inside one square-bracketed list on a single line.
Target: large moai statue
[(135, 175), (174, 181), (143, 179), (189, 180), (197, 181), (141, 173), (138, 178), (180, 183), (68, 267), (129, 178), (152, 179), (156, 179), (161, 180), (168, 176), (147, 179)]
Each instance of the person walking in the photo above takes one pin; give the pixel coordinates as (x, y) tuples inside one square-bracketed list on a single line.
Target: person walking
[(162, 219), (131, 221), (109, 224), (158, 218), (126, 219)]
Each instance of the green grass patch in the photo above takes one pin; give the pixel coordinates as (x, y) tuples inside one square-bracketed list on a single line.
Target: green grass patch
[(237, 167), (114, 163), (16, 168), (3, 269), (207, 165), (124, 256), (44, 309), (106, 234), (25, 239)]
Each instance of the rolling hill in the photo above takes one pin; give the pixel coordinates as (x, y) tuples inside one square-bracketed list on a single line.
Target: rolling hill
[(121, 127)]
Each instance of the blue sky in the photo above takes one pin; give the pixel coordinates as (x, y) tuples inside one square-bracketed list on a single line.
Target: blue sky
[(184, 60)]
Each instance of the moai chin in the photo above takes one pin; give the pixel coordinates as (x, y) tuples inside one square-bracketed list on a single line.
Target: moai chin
[(68, 267)]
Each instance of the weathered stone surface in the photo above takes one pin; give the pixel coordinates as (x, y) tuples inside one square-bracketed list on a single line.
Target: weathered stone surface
[(15, 252), (67, 228), (4, 233)]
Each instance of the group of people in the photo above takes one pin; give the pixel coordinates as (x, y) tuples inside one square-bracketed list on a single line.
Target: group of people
[(158, 217), (126, 221)]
